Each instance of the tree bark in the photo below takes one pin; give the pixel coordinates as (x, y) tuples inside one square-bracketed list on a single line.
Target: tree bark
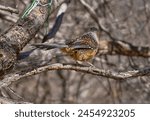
[(15, 39)]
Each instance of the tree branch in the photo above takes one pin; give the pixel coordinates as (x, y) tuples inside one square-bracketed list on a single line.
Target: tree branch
[(9, 9), (8, 17), (15, 39), (90, 70), (95, 17), (122, 48), (10, 101)]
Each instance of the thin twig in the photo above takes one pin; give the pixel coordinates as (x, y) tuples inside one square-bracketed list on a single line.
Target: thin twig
[(96, 19)]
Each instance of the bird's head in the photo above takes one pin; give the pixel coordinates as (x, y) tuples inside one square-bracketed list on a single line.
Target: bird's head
[(95, 32)]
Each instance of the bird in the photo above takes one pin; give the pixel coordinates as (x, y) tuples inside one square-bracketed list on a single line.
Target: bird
[(82, 48)]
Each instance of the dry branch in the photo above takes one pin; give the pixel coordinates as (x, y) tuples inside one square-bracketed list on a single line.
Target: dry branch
[(9, 9), (122, 48), (10, 101), (90, 70), (8, 17), (95, 17)]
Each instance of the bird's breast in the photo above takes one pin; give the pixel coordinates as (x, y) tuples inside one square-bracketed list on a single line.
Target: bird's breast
[(80, 55)]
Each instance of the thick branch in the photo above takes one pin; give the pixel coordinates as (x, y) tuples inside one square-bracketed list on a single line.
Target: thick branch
[(14, 40)]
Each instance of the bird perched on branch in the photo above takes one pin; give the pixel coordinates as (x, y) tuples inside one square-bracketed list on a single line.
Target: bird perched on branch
[(82, 48)]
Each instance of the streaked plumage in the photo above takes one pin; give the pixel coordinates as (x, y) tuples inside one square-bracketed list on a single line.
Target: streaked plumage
[(82, 48)]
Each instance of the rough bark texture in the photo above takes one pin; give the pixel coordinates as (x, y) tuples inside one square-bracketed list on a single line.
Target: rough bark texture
[(15, 39)]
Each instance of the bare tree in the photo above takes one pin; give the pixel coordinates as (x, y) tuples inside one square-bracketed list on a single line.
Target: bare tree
[(120, 71)]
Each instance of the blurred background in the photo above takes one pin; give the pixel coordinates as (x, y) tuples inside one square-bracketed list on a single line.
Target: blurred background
[(126, 20)]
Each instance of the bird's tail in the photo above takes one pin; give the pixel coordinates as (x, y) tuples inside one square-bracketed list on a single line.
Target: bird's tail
[(48, 46)]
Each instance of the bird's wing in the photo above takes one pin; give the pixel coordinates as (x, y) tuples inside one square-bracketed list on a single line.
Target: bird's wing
[(81, 47)]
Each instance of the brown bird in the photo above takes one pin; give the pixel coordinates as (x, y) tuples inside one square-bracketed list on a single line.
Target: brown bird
[(82, 48)]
